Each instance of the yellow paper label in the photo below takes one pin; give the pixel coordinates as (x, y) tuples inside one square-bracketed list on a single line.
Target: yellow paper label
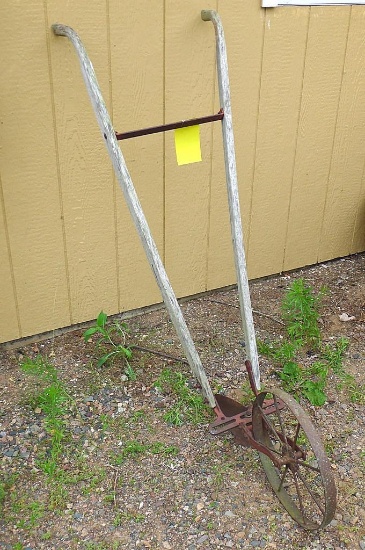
[(187, 145)]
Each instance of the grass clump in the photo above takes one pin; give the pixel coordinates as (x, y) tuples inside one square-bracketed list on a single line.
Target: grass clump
[(53, 401), (134, 448), (189, 406), (291, 355)]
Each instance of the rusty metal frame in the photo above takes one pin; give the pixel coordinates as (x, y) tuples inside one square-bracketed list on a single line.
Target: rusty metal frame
[(170, 126)]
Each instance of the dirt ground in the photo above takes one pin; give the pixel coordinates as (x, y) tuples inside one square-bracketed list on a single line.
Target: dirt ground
[(179, 486)]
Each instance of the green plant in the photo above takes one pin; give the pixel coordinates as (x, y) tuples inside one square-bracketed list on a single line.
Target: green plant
[(356, 391), (334, 355), (190, 405), (220, 470), (300, 311), (2, 492), (36, 513), (132, 449), (53, 402), (133, 516), (158, 448), (112, 342), (58, 495), (247, 395), (32, 512)]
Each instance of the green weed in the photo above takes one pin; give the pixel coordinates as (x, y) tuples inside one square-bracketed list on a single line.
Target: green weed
[(32, 513), (132, 449), (220, 471), (300, 311), (247, 395), (355, 391), (53, 401), (6, 486), (58, 496), (127, 516), (2, 493), (189, 407), (111, 342)]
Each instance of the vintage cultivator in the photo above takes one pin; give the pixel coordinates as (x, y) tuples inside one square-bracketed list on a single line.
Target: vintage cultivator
[(291, 452)]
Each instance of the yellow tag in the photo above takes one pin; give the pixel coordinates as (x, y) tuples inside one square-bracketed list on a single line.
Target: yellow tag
[(187, 145)]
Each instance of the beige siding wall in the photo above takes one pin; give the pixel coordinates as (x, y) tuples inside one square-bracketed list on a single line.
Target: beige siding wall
[(67, 245)]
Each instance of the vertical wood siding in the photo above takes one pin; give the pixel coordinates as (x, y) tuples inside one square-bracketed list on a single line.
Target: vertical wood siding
[(67, 245)]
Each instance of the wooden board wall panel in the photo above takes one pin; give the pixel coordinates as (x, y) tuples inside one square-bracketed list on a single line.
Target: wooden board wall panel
[(9, 321), (325, 54), (138, 102), (86, 172), (280, 93), (244, 27), (189, 89), (345, 178), (29, 171)]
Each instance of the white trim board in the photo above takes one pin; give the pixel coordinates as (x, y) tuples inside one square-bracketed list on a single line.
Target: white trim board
[(276, 3)]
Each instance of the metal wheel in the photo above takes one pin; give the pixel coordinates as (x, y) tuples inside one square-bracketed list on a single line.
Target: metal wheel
[(302, 478)]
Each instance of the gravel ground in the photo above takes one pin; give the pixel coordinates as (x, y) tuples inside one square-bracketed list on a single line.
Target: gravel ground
[(182, 488)]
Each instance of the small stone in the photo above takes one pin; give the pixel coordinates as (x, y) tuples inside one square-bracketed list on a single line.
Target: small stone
[(229, 514), (362, 544), (345, 318), (24, 454), (166, 545), (346, 518), (9, 453), (202, 539), (200, 506), (34, 428)]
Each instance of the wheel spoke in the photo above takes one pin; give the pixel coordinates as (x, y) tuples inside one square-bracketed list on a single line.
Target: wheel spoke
[(280, 420), (269, 425), (299, 495), (306, 465), (283, 477), (310, 492), (296, 435)]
